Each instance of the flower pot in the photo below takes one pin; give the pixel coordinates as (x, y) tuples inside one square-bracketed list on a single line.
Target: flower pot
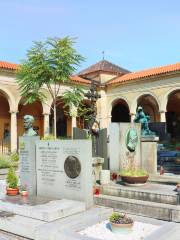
[(24, 193), (12, 191), (121, 225), (134, 179)]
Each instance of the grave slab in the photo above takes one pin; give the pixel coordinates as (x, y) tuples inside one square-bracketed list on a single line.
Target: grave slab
[(41, 208)]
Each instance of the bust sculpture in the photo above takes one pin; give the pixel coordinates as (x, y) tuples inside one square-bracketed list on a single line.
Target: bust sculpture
[(28, 126), (144, 119)]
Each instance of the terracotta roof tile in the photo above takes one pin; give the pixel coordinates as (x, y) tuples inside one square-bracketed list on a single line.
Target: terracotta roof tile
[(105, 66), (146, 73), (13, 66), (8, 66), (78, 79)]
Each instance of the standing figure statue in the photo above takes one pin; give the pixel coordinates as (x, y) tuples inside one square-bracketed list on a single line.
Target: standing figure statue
[(144, 119), (28, 126)]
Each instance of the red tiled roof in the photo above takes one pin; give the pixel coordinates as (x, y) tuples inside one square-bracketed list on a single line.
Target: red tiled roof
[(9, 66), (146, 73), (105, 66), (78, 79), (13, 66)]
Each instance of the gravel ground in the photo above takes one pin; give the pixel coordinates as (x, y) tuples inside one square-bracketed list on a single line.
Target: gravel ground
[(102, 231)]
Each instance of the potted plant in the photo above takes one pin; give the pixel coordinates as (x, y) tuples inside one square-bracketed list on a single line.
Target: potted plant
[(120, 220), (12, 183), (134, 176), (23, 190)]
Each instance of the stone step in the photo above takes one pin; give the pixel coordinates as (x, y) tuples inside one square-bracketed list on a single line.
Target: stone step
[(138, 207), (150, 192)]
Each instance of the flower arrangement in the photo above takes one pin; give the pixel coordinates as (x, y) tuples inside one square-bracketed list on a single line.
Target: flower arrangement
[(133, 172), (23, 190), (120, 219), (114, 176), (96, 190)]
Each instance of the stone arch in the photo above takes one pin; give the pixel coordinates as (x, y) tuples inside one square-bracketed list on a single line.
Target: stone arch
[(120, 110), (164, 99), (114, 100), (9, 97), (135, 102), (63, 122), (36, 110), (80, 120), (173, 113), (5, 118), (150, 105)]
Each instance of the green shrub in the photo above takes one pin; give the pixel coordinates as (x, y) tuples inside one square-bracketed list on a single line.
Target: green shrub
[(133, 172), (48, 137), (115, 216), (12, 179), (5, 162), (51, 137), (14, 157)]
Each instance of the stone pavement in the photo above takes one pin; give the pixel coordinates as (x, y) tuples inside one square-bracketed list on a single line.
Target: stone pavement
[(167, 230)]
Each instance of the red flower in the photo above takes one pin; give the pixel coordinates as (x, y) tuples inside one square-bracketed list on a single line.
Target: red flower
[(97, 191), (114, 176)]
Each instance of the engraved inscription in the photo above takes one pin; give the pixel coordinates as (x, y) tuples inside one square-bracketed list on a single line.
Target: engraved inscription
[(49, 167)]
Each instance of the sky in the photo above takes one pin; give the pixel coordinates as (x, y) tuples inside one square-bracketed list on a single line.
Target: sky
[(134, 34)]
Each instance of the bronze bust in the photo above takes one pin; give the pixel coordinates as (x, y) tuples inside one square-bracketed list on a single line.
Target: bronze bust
[(28, 126)]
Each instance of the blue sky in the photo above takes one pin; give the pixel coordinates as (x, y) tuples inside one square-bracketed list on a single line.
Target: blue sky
[(135, 34)]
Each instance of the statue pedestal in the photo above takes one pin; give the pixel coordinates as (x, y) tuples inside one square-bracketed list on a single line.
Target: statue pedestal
[(28, 163), (97, 163), (149, 153)]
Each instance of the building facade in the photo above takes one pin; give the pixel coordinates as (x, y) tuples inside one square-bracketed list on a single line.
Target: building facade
[(157, 90)]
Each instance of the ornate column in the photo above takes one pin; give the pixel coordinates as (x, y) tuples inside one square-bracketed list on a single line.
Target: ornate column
[(108, 122), (46, 123), (163, 116), (102, 108), (73, 112), (13, 131)]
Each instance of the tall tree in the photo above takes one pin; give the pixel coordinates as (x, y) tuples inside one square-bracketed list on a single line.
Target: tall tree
[(48, 64)]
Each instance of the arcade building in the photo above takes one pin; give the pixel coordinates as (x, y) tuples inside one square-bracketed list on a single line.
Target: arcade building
[(157, 90)]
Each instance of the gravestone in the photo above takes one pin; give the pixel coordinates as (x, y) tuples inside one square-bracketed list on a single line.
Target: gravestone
[(118, 152), (101, 143), (28, 163), (79, 133), (101, 147), (64, 170)]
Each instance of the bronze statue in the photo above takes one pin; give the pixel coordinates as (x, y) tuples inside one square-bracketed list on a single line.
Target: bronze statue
[(28, 126), (144, 119)]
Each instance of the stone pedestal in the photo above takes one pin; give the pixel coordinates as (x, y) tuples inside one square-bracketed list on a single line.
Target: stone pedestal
[(149, 154), (119, 154), (28, 163), (97, 167), (105, 177)]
